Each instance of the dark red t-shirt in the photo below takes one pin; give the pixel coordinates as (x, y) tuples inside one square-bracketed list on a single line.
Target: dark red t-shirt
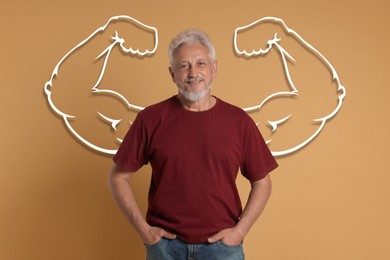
[(195, 158)]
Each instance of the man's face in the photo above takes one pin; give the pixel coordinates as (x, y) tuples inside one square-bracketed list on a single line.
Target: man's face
[(193, 71)]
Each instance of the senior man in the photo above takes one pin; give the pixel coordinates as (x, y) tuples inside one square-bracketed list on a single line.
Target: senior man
[(196, 144)]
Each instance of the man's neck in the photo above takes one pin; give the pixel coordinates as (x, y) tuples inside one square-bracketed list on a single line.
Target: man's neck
[(204, 104)]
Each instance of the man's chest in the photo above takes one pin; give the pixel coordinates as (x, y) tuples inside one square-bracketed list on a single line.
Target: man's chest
[(196, 139)]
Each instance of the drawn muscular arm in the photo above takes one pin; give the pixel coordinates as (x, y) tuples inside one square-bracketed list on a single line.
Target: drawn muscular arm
[(306, 70), (74, 90), (88, 59), (314, 95)]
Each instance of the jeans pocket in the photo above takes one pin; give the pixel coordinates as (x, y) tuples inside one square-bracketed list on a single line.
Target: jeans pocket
[(231, 252), (228, 246), (158, 250), (154, 244)]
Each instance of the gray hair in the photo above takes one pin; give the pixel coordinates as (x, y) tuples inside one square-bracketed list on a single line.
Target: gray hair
[(190, 37)]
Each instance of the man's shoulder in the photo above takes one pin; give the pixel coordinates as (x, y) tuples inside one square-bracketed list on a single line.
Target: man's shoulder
[(158, 107), (231, 108)]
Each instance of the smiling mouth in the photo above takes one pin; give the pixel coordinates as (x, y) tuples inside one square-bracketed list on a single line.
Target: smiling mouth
[(194, 81)]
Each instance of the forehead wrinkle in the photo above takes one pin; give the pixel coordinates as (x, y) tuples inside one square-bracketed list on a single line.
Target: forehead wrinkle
[(194, 55)]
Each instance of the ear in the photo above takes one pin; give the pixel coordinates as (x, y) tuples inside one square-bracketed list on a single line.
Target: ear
[(172, 73), (215, 69)]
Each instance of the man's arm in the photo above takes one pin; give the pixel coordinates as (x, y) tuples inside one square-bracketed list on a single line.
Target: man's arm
[(118, 182), (258, 197)]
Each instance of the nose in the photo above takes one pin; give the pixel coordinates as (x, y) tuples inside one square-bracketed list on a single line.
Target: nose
[(193, 71)]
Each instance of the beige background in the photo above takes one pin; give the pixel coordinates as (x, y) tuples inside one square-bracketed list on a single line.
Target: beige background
[(330, 200)]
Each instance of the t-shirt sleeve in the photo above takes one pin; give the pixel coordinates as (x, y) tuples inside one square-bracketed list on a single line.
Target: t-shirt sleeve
[(257, 160), (132, 153)]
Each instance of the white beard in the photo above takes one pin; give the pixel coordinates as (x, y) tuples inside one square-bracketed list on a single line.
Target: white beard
[(194, 96)]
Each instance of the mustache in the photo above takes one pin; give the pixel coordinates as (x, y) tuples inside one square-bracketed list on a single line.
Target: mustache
[(194, 79)]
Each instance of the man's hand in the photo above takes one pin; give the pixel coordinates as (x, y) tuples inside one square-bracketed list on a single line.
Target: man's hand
[(228, 236), (154, 234), (257, 200)]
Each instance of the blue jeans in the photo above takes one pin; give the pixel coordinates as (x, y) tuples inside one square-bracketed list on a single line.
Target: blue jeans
[(176, 249)]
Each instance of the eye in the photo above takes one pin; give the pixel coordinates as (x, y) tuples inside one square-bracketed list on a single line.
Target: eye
[(201, 63), (184, 66)]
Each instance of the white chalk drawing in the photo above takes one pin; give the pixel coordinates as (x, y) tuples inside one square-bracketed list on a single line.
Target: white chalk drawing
[(275, 43), (118, 41)]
